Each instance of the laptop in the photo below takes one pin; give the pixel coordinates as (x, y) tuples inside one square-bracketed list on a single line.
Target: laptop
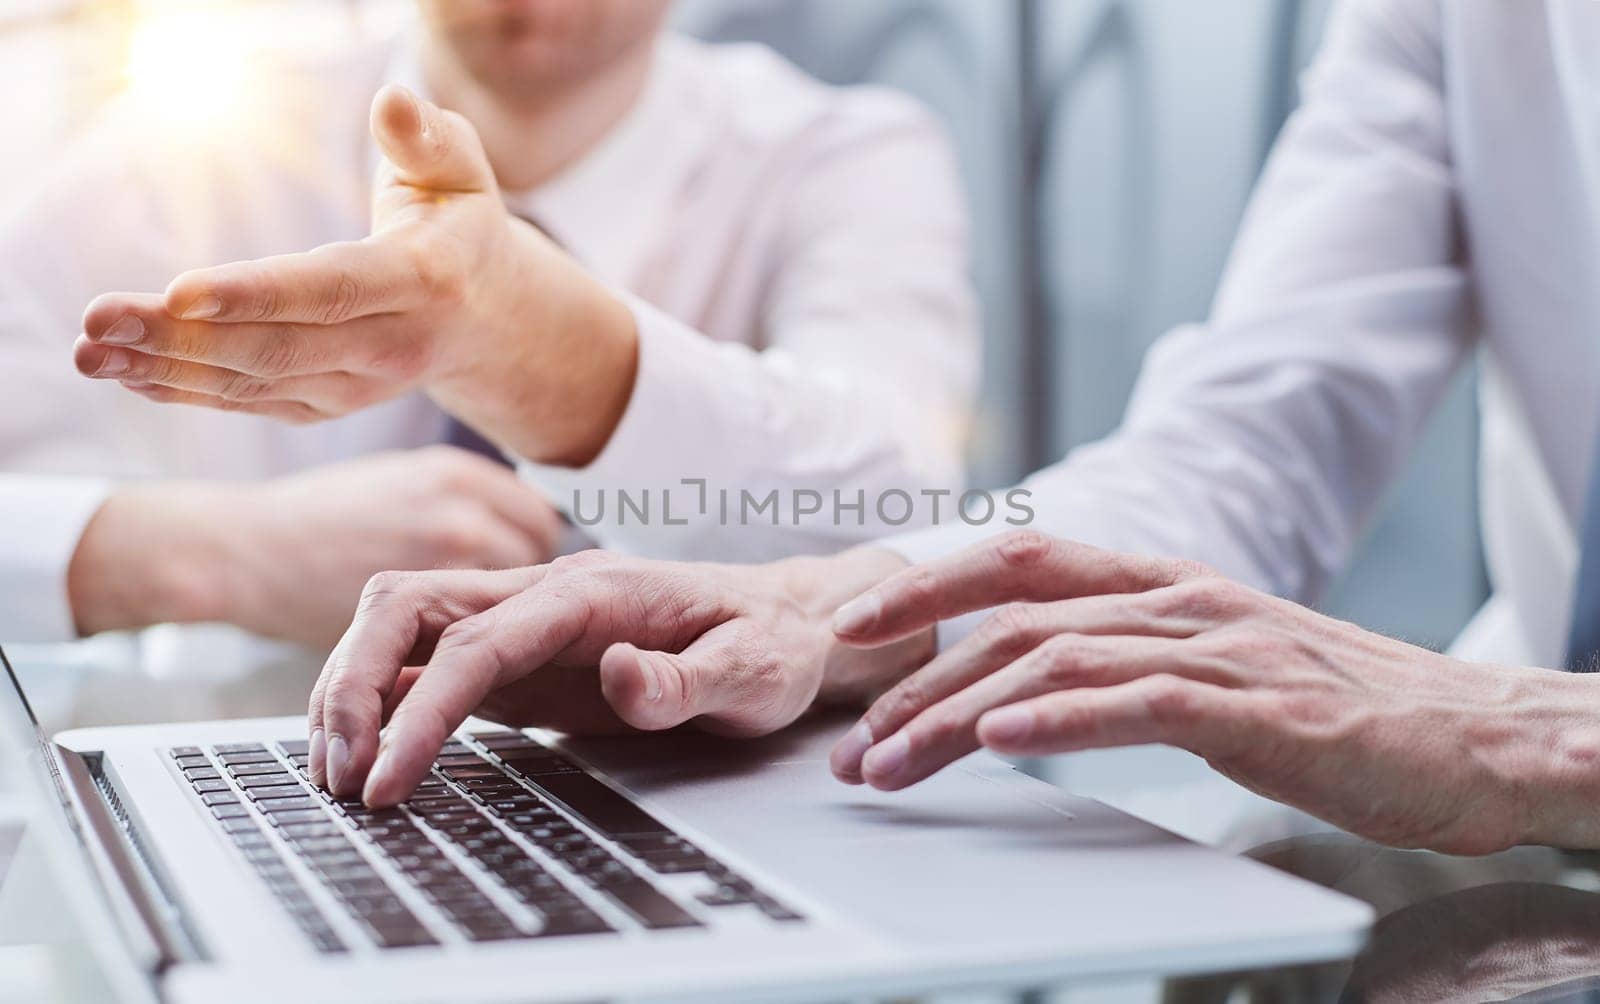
[(534, 867)]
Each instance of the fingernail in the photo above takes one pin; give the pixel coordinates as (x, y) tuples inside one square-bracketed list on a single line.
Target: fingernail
[(201, 308), (116, 361), (1006, 725), (885, 759), (126, 331), (847, 753), (338, 760), (652, 679), (858, 615), (380, 774), (318, 750)]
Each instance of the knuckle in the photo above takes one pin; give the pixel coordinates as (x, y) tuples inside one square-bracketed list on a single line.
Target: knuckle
[(897, 706), (1024, 549), (1066, 658), (402, 358), (279, 354), (241, 387), (387, 587), (264, 299), (455, 470), (1185, 568), (1170, 701), (1010, 631), (341, 300), (921, 588)]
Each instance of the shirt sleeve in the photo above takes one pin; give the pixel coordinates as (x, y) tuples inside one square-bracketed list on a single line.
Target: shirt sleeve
[(860, 389), (62, 437), (1260, 441), (44, 517)]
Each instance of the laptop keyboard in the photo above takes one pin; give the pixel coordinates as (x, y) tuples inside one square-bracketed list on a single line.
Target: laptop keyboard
[(506, 839)]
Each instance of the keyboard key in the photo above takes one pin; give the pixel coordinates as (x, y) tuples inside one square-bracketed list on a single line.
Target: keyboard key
[(230, 811), (183, 751), (294, 747), (192, 760), (241, 758), (268, 780), (239, 748), (206, 785), (256, 769), (219, 798), (651, 906), (600, 805), (207, 773), (298, 816)]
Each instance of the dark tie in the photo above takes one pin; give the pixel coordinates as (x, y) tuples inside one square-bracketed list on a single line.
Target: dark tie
[(1583, 640), (463, 436)]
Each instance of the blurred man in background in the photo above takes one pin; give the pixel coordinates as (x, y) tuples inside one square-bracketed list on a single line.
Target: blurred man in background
[(723, 261)]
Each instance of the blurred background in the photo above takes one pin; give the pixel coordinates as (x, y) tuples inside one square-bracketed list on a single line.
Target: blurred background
[(1108, 147)]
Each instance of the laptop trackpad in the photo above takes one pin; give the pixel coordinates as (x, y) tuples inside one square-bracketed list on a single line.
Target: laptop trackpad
[(978, 841)]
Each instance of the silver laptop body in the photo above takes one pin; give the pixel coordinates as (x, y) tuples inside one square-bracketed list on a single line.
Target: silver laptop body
[(678, 867)]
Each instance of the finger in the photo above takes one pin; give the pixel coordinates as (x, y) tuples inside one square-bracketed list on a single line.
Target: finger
[(400, 617), (1025, 565), (331, 284), (1206, 720), (473, 657), (257, 349), (948, 730), (427, 146), (402, 686), (291, 412), (329, 394), (735, 683), (998, 642)]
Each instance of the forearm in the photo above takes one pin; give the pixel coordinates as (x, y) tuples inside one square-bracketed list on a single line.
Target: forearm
[(152, 554)]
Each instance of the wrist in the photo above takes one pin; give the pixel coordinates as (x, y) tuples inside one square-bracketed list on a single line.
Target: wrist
[(149, 556), (554, 375), (1558, 796)]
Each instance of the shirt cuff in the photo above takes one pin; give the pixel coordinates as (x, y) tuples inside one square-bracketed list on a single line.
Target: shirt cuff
[(674, 427), (45, 518)]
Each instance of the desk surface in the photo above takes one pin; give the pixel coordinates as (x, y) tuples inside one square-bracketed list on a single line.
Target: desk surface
[(1524, 924)]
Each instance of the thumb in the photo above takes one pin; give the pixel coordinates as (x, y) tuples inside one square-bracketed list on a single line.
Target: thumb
[(733, 685), (428, 146)]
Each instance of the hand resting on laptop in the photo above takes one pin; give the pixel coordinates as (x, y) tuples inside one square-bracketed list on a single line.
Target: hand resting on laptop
[(590, 642)]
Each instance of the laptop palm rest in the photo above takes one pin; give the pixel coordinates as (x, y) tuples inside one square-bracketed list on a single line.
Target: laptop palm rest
[(977, 856)]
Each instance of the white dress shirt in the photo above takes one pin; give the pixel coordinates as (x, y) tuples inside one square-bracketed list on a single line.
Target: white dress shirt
[(1437, 193), (795, 255)]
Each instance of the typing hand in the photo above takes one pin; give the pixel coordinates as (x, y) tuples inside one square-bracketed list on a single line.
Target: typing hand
[(589, 642), (449, 294), (1392, 742), (287, 558)]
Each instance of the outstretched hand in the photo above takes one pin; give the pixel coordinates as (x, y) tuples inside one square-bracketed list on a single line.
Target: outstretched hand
[(449, 293)]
